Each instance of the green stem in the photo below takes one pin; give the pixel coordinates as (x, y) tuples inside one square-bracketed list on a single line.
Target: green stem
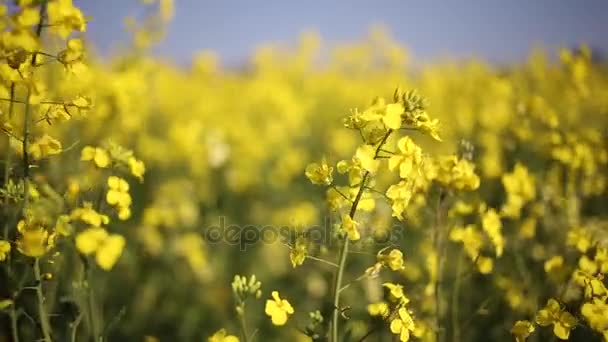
[(243, 322), (74, 328), (44, 319), (455, 299), (438, 244), (7, 165), (344, 251), (14, 326)]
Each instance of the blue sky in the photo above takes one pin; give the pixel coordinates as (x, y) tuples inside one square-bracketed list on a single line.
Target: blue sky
[(498, 31)]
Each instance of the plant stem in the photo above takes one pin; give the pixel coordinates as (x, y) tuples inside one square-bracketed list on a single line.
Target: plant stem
[(44, 319), (438, 244), (14, 326), (74, 328), (7, 165), (455, 299), (344, 251), (244, 325)]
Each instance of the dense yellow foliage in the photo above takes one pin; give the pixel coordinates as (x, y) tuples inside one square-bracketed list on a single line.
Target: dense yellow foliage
[(134, 190)]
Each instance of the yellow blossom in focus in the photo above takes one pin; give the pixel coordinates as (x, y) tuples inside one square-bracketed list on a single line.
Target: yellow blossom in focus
[(388, 114), (522, 330), (222, 336), (596, 313), (393, 260), (400, 194), (278, 309), (320, 173), (396, 293), (409, 157), (366, 155), (553, 314), (402, 325), (349, 226), (33, 241)]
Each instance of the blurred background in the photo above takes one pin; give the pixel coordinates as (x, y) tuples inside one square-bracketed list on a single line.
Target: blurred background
[(495, 31), (227, 102)]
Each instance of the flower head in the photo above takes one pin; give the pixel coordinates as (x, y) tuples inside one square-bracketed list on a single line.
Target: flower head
[(521, 330), (320, 173), (222, 336), (278, 309), (562, 320), (349, 226), (402, 325)]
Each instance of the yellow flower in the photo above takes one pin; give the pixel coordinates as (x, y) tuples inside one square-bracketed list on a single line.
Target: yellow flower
[(400, 194), (492, 226), (74, 51), (580, 238), (108, 253), (388, 114), (521, 330), (554, 263), (366, 155), (402, 325), (222, 336), (393, 260), (457, 173), (137, 168), (298, 253), (381, 309), (33, 241), (562, 320), (320, 173), (63, 226), (485, 265), (44, 147), (278, 309), (349, 226), (65, 18), (396, 293), (118, 192), (98, 155), (5, 249), (470, 237), (29, 16), (520, 188), (107, 247), (88, 241), (596, 314), (410, 156), (88, 215)]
